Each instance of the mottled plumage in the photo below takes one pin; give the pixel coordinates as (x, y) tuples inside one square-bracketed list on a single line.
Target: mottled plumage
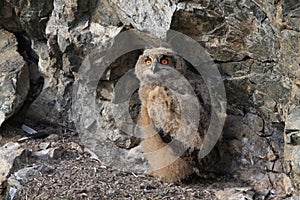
[(170, 114)]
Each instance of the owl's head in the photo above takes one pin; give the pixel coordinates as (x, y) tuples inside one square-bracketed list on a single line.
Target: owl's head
[(157, 64)]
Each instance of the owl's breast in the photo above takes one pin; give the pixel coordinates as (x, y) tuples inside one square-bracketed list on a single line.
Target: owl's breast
[(163, 110)]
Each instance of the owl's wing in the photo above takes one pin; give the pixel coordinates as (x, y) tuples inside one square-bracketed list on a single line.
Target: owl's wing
[(163, 110), (175, 117)]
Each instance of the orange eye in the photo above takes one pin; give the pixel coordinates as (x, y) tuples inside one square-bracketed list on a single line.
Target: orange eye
[(164, 61), (148, 61)]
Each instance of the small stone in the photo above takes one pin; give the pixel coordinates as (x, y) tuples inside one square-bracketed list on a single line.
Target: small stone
[(92, 154), (44, 145), (54, 153), (53, 137), (76, 146)]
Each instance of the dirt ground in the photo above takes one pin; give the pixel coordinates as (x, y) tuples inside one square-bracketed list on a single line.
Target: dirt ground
[(75, 173)]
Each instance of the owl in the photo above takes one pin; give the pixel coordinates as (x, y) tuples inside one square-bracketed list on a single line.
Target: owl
[(171, 116)]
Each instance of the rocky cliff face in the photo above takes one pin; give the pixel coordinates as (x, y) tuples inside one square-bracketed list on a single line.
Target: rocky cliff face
[(14, 76), (254, 43)]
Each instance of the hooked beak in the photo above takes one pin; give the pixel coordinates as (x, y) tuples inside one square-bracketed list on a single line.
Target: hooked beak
[(154, 68)]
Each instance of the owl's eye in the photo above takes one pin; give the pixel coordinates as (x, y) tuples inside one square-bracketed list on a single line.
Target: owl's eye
[(148, 61), (164, 61)]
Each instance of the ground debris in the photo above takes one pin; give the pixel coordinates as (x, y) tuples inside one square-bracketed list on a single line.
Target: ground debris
[(59, 167)]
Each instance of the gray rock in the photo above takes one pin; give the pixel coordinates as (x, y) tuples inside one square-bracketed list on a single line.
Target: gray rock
[(18, 180), (13, 188), (26, 174), (235, 193), (151, 16), (9, 154), (71, 37), (14, 76), (18, 16), (44, 145), (293, 120), (54, 153)]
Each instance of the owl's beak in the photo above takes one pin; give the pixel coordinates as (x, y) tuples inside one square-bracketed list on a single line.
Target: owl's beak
[(154, 67)]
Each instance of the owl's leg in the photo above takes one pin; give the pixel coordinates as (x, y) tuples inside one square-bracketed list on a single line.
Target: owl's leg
[(165, 164), (163, 161)]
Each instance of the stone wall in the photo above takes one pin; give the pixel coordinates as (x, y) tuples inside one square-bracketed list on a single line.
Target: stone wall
[(254, 43)]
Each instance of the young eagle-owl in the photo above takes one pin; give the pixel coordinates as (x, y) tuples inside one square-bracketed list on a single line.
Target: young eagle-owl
[(170, 115)]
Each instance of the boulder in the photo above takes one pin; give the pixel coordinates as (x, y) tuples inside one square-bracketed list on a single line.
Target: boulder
[(14, 76)]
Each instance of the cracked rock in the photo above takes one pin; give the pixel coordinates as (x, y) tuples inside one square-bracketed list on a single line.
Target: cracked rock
[(10, 153), (14, 76)]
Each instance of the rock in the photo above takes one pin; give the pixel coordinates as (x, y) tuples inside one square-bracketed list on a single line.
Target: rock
[(293, 120), (255, 45), (76, 146), (255, 122), (53, 153), (92, 154), (26, 174), (13, 188), (279, 184), (263, 186), (154, 17), (44, 145), (71, 37), (235, 193), (253, 152), (10, 153), (18, 180), (26, 16), (64, 16), (14, 76), (292, 137), (282, 184), (56, 153)]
